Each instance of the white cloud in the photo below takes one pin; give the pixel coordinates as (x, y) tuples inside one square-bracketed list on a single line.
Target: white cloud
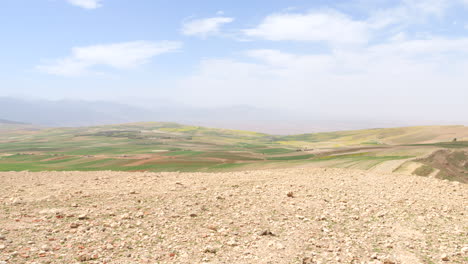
[(376, 65), (205, 27), (387, 80), (330, 26), (409, 12), (87, 4), (118, 55), (273, 57), (427, 47), (334, 27)]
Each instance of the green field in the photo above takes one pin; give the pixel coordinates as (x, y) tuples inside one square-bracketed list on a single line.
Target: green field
[(174, 147)]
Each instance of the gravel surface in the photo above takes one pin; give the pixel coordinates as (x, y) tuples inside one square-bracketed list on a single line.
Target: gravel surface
[(275, 216)]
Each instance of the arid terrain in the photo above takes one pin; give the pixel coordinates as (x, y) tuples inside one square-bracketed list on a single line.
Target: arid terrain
[(308, 215)]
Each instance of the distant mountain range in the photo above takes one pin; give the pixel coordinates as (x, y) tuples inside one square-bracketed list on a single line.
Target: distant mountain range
[(86, 113), (243, 117), (3, 121), (66, 112)]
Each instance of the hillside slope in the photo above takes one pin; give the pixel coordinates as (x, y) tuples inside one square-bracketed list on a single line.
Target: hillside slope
[(450, 164), (298, 216), (378, 136), (159, 146)]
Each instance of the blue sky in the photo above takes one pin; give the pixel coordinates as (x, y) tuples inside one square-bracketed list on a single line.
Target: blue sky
[(398, 58)]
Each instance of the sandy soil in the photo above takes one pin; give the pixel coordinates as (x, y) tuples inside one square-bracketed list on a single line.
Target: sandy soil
[(275, 216)]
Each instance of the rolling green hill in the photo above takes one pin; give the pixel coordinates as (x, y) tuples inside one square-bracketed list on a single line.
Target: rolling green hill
[(173, 147), (382, 136)]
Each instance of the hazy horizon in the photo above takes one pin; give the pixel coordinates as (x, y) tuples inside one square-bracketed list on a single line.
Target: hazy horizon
[(388, 62), (79, 113)]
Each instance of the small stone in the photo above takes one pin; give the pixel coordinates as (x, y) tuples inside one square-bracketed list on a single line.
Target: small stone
[(210, 249), (74, 225), (464, 250), (266, 233), (290, 194), (374, 256), (193, 215), (213, 228), (139, 215), (232, 243), (83, 217), (2, 247), (444, 257), (15, 201), (86, 258), (125, 216), (322, 218), (74, 205)]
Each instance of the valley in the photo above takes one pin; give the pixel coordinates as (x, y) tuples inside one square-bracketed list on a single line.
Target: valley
[(159, 147)]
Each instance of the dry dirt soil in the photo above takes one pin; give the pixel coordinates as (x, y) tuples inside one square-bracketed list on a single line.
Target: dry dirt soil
[(275, 216)]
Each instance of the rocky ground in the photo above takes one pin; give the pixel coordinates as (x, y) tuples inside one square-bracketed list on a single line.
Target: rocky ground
[(276, 216)]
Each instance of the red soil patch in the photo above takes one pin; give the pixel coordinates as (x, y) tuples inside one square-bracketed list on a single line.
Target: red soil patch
[(144, 161)]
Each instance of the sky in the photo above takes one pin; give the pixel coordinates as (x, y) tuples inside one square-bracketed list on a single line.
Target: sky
[(352, 58)]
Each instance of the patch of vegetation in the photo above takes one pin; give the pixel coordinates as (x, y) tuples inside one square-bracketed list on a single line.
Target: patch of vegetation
[(452, 164), (227, 166), (371, 143), (297, 157), (424, 170), (318, 137), (453, 144), (274, 151), (183, 153)]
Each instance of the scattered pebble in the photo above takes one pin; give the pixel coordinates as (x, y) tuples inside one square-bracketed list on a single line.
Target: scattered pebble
[(266, 233), (358, 217), (83, 217), (210, 249)]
